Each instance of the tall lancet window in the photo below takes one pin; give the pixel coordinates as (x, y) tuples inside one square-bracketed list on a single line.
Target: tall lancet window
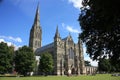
[(71, 53)]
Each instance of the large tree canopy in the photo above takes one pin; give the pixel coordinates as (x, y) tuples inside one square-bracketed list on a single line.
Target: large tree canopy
[(100, 23), (104, 65), (24, 60), (6, 58), (46, 63)]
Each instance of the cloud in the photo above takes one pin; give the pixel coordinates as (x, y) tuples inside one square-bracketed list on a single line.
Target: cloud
[(2, 40), (70, 28), (16, 39), (10, 44), (17, 47), (63, 25), (93, 63), (76, 3), (11, 40)]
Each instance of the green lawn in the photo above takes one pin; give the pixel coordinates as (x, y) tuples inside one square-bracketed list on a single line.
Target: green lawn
[(97, 77)]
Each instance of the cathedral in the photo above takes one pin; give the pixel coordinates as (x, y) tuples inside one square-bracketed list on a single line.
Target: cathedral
[(67, 55)]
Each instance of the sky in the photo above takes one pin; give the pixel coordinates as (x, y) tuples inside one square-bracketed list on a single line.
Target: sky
[(17, 17)]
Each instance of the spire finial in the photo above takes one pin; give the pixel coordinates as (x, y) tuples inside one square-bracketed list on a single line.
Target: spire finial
[(57, 32), (37, 11), (57, 29), (37, 17), (38, 6)]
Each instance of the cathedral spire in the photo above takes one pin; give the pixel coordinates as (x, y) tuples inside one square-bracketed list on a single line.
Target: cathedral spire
[(37, 17), (57, 32), (35, 40)]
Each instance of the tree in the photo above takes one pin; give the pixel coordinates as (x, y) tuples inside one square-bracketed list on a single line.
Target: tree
[(87, 63), (24, 60), (104, 65), (100, 23), (46, 63), (6, 58)]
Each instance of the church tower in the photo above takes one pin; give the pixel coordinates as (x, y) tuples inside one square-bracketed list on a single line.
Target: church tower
[(36, 32)]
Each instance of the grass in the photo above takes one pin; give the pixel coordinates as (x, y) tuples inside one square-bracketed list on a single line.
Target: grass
[(82, 77)]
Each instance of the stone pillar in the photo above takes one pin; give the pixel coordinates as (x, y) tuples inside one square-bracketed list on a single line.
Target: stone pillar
[(77, 66), (62, 66)]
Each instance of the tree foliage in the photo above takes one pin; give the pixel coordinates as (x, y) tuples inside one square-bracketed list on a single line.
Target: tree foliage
[(105, 65), (100, 23), (6, 58), (46, 63), (87, 63), (24, 60)]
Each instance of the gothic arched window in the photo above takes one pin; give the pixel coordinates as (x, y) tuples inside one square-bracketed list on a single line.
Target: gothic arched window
[(71, 53)]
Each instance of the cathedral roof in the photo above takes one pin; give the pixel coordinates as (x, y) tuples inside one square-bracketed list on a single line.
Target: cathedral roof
[(67, 38), (64, 39), (44, 48)]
